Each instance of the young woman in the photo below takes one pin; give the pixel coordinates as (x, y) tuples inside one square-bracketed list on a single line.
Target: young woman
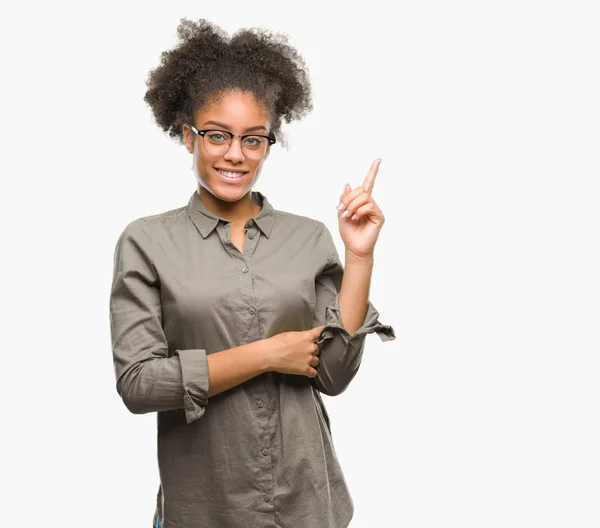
[(229, 317)]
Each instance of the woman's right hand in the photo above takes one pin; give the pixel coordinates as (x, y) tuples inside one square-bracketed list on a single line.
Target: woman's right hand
[(295, 352)]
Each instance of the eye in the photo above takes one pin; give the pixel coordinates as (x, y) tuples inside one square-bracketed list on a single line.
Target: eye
[(253, 141), (216, 137)]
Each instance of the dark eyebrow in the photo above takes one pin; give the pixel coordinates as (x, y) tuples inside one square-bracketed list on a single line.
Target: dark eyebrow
[(223, 125)]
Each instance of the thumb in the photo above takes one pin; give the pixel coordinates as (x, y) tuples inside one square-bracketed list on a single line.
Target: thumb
[(317, 330)]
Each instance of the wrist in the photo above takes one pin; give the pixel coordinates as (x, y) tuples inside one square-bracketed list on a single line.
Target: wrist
[(353, 259), (265, 353)]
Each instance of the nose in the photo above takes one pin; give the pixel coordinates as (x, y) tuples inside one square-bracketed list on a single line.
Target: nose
[(235, 153)]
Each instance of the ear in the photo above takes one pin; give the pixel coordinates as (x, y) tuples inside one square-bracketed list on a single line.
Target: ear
[(188, 138)]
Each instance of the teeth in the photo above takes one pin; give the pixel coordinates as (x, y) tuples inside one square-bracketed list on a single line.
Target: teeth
[(232, 175)]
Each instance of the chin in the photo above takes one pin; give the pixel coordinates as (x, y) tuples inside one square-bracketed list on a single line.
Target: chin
[(232, 197), (223, 191), (229, 194)]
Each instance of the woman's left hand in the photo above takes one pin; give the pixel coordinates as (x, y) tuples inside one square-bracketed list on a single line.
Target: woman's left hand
[(359, 235)]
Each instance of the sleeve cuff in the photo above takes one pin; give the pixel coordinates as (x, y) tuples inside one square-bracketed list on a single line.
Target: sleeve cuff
[(194, 370), (333, 325)]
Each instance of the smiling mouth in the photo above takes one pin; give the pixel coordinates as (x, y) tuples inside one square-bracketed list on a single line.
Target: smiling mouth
[(231, 175)]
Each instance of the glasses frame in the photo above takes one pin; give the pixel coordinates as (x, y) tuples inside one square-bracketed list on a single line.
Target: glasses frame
[(201, 133)]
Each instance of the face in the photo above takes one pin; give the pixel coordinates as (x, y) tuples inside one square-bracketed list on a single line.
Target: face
[(239, 113)]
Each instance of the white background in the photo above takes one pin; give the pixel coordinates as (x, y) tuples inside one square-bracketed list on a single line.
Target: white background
[(484, 412)]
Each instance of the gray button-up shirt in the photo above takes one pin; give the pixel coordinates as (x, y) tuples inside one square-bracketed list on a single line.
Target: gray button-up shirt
[(259, 454)]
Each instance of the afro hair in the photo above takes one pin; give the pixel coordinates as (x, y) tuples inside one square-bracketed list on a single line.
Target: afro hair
[(206, 63)]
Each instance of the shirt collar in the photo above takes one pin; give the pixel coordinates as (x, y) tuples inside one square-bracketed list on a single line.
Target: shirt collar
[(206, 221)]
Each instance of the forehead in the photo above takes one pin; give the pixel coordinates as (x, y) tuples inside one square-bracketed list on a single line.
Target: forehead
[(239, 110)]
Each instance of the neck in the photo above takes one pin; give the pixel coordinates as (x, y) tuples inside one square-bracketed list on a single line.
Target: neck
[(236, 212)]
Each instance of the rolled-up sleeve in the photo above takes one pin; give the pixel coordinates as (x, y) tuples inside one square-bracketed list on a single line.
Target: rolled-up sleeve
[(146, 378), (341, 351)]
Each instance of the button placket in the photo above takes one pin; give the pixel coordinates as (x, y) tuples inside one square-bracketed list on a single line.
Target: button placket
[(252, 237), (265, 476)]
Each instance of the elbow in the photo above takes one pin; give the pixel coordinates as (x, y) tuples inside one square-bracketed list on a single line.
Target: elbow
[(133, 401), (338, 368), (131, 390), (333, 391), (332, 387), (134, 404)]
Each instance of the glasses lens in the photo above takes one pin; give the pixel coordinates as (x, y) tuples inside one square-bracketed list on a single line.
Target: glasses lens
[(255, 147), (218, 143)]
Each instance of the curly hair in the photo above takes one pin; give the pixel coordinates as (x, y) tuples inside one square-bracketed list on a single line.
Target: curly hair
[(207, 64)]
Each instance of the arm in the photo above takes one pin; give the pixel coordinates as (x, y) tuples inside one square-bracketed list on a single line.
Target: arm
[(342, 306), (148, 380), (354, 295), (233, 366)]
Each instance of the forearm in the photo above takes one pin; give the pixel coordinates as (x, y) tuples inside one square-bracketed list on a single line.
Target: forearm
[(234, 366), (344, 308), (160, 384), (354, 293)]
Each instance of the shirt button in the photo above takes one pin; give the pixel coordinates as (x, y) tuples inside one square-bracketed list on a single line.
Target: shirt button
[(259, 403), (251, 310), (250, 235), (265, 451), (250, 222), (244, 270), (267, 499)]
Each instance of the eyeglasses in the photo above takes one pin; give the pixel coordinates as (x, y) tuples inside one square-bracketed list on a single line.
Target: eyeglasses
[(218, 142)]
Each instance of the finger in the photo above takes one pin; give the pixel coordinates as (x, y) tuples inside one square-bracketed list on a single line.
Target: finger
[(347, 189), (369, 181), (315, 361), (317, 350), (362, 211), (347, 198), (317, 330), (359, 201)]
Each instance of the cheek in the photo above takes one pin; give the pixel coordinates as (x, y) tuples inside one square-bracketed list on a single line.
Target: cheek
[(204, 161)]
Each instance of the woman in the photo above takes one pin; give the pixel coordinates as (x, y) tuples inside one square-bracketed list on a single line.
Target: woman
[(230, 317)]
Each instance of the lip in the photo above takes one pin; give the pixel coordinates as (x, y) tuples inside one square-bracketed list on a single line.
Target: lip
[(230, 170), (231, 182)]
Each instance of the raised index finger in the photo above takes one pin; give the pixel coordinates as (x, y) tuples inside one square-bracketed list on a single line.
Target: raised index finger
[(370, 177)]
